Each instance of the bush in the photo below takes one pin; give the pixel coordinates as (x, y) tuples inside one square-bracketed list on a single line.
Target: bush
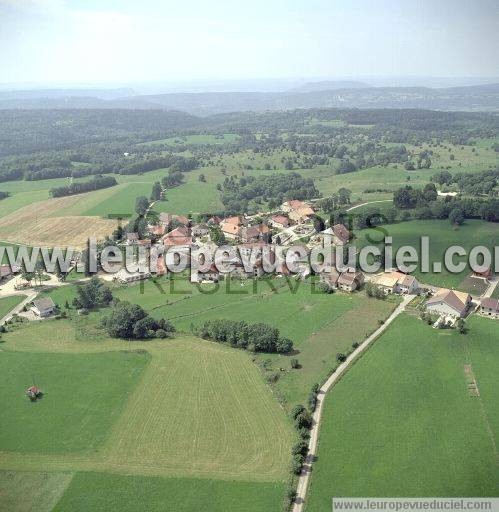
[(296, 411), (301, 447), (295, 364), (340, 357), (303, 420), (296, 466), (130, 321)]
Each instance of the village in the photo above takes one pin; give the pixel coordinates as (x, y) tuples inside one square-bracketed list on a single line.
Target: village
[(284, 238)]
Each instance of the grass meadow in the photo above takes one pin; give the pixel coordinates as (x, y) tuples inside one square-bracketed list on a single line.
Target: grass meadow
[(320, 325), (8, 303), (179, 409), (108, 493), (402, 422)]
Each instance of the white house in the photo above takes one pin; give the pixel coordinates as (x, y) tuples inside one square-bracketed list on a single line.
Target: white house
[(43, 307)]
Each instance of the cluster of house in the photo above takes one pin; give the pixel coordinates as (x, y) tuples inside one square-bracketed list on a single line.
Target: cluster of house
[(244, 233), (444, 302), (247, 235)]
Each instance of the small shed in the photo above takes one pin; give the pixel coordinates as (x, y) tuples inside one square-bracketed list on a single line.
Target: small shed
[(33, 393)]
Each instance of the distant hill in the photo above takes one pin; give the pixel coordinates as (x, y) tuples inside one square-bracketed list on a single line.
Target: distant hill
[(329, 85), (30, 94), (470, 98)]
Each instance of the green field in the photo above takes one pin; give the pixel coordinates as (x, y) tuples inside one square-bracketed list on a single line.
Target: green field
[(9, 303), (26, 491), (442, 236), (402, 422), (108, 493), (320, 325), (169, 418), (75, 414)]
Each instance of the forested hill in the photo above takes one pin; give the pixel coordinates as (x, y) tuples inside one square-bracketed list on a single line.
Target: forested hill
[(469, 98), (29, 131)]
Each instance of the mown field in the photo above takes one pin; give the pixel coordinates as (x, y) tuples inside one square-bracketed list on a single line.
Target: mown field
[(402, 422), (181, 408), (442, 235), (320, 325)]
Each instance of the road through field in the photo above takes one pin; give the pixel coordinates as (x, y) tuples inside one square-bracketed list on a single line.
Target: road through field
[(304, 478), (368, 202)]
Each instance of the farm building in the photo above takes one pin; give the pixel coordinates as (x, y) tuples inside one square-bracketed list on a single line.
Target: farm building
[(449, 303), (486, 273), (179, 237), (338, 234), (279, 222), (158, 230), (165, 219), (347, 281), (232, 226), (5, 272), (215, 220), (489, 307), (330, 278), (124, 276), (254, 233), (298, 211), (350, 281), (44, 307), (211, 274), (396, 282)]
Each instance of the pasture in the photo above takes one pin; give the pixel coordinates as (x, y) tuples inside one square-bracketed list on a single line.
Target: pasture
[(182, 407), (108, 493), (8, 303), (320, 325), (442, 235), (402, 422), (24, 491), (82, 395)]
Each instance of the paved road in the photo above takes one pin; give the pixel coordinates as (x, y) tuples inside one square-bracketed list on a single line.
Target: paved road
[(333, 378)]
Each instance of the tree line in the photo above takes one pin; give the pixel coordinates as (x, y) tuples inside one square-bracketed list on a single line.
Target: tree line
[(96, 183), (257, 337)]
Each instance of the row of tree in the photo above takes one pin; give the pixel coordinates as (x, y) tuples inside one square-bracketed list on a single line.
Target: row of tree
[(96, 183), (257, 337)]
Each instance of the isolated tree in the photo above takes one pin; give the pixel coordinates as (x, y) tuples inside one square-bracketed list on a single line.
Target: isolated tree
[(456, 216), (344, 195), (141, 205), (156, 191)]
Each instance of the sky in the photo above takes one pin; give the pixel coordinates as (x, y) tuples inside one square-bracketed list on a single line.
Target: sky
[(123, 41)]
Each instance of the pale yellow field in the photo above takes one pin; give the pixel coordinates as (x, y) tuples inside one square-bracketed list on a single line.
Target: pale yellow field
[(44, 224)]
